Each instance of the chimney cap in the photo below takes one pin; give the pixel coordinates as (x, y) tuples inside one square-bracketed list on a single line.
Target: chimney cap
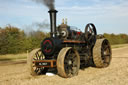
[(53, 10)]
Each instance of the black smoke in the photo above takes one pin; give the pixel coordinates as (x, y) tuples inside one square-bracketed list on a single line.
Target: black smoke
[(48, 3)]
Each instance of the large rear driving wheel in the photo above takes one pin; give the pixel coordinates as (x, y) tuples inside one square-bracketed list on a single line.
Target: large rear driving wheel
[(102, 53), (68, 62)]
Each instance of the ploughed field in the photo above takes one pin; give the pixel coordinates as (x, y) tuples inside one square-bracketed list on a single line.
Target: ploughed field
[(14, 72)]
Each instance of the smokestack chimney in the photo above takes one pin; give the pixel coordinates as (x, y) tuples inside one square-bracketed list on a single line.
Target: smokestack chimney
[(52, 14)]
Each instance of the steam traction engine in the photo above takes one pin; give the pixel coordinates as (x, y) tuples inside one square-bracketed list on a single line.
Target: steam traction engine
[(67, 50)]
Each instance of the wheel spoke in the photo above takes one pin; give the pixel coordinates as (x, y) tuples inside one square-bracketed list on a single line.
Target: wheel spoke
[(67, 69), (90, 29), (69, 52), (105, 47), (90, 38), (75, 64), (74, 70), (36, 70), (37, 55), (42, 56), (70, 72), (34, 59)]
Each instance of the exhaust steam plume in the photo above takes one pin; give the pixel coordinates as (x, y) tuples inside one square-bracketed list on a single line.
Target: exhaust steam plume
[(48, 3)]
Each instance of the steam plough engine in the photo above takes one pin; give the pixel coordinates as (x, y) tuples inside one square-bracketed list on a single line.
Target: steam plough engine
[(67, 50)]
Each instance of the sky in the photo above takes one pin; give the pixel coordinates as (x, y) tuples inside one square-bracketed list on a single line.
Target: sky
[(109, 16)]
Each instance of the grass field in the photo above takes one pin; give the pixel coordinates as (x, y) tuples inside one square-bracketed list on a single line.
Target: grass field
[(23, 56), (119, 46), (13, 57)]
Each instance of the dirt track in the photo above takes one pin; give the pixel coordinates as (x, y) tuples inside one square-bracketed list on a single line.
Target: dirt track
[(115, 74)]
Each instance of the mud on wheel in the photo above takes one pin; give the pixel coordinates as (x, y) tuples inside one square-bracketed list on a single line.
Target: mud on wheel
[(102, 53), (34, 56), (68, 62)]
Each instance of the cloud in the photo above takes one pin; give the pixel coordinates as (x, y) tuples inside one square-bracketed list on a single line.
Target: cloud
[(109, 16), (106, 14)]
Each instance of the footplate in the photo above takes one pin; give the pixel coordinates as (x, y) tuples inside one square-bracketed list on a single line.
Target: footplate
[(45, 63)]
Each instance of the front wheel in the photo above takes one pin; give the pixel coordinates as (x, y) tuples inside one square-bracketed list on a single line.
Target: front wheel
[(35, 55)]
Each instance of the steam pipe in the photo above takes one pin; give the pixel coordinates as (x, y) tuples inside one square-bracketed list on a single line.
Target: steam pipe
[(52, 14)]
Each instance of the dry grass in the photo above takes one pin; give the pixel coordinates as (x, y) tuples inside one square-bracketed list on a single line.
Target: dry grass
[(119, 45), (13, 57)]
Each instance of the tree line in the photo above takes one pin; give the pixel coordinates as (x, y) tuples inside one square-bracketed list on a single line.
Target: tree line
[(13, 40), (116, 38)]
